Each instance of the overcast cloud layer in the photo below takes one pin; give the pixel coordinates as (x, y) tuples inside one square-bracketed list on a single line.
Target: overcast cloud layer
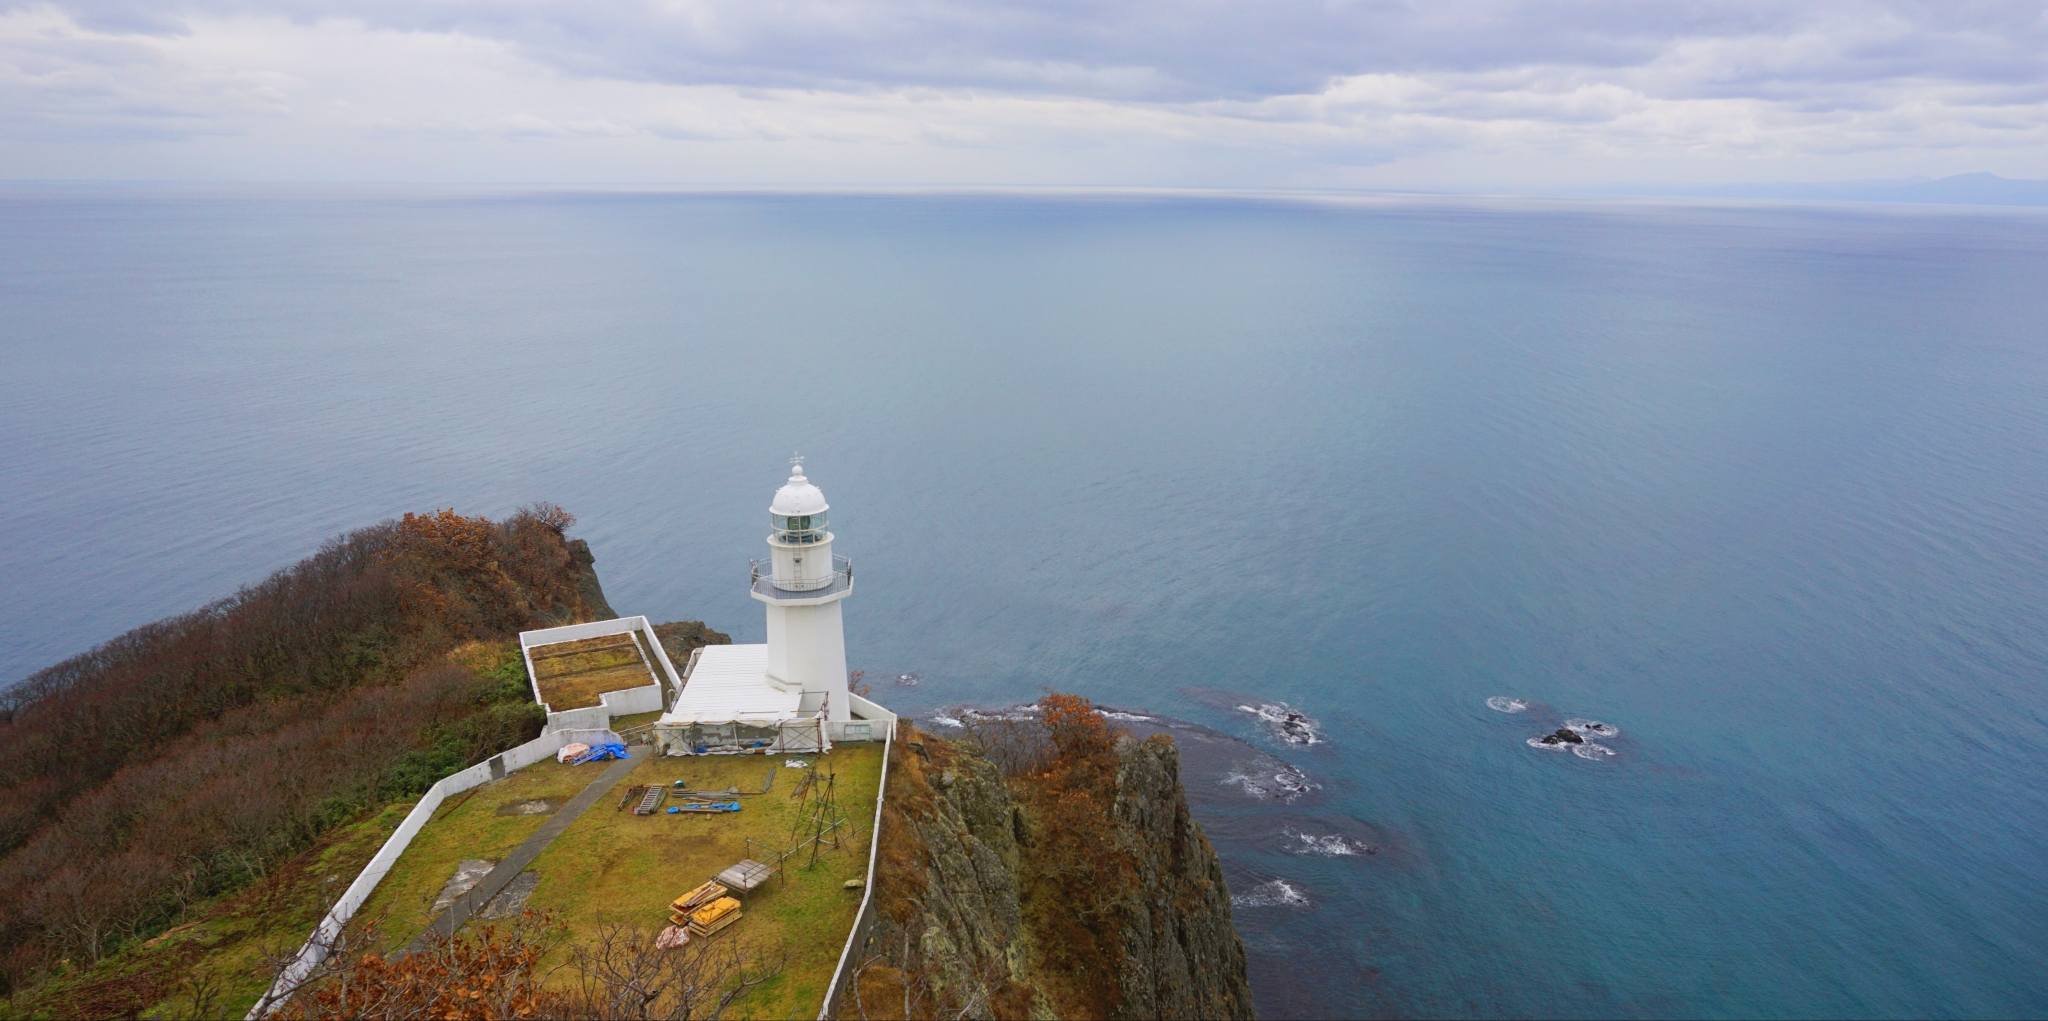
[(1454, 93)]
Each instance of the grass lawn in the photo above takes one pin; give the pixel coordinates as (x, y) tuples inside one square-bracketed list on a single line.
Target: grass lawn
[(612, 865), (615, 866), (572, 674), (623, 723), (466, 826)]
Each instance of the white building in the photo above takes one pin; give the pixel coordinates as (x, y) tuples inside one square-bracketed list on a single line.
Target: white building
[(790, 694)]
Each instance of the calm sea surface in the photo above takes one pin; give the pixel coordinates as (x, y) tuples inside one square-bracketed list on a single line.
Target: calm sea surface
[(1764, 488)]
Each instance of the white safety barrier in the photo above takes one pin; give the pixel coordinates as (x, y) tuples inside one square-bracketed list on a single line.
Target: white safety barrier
[(864, 920), (633, 700), (511, 760), (596, 716)]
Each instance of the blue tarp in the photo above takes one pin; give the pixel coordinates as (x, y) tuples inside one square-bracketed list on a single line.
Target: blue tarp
[(599, 753)]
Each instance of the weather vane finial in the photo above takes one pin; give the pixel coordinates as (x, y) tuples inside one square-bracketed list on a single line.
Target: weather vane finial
[(796, 464)]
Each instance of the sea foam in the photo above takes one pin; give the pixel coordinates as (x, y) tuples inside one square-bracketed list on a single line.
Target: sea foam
[(1273, 893)]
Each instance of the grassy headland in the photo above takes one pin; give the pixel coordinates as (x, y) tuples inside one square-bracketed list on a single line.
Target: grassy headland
[(168, 781)]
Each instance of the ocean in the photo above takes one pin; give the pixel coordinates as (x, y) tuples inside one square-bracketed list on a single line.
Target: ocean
[(1760, 488)]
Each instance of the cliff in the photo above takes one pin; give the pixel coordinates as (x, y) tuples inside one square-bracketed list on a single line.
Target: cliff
[(998, 901), (586, 581)]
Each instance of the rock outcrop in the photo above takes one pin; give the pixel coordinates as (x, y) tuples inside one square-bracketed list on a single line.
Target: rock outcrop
[(966, 892), (586, 581), (1181, 954)]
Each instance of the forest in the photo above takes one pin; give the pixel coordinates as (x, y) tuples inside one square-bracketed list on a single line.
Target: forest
[(186, 759)]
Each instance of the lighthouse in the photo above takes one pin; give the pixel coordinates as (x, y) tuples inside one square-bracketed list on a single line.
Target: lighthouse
[(803, 582), (789, 694)]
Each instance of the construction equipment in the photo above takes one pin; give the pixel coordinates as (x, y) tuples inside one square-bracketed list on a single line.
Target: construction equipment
[(709, 807), (747, 875), (650, 800)]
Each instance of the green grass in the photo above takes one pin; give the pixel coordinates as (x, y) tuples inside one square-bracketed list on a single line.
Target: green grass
[(620, 723), (466, 826), (571, 675), (612, 865), (615, 866)]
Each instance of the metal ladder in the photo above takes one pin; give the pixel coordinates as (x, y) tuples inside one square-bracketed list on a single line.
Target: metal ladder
[(649, 800)]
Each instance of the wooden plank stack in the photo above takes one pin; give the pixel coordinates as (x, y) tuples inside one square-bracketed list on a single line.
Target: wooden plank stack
[(715, 916), (697, 898)]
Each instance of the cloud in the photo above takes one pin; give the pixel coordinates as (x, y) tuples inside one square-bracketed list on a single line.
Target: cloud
[(1298, 90)]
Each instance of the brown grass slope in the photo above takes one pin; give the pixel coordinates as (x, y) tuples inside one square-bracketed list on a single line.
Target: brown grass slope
[(186, 759)]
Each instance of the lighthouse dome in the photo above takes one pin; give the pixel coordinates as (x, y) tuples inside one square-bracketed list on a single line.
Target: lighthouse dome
[(797, 497)]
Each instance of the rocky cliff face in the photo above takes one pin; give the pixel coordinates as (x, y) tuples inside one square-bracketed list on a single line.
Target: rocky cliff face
[(1181, 954), (586, 581), (979, 908)]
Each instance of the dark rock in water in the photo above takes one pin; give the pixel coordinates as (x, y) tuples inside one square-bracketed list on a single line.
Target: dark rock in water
[(1567, 737), (1551, 739)]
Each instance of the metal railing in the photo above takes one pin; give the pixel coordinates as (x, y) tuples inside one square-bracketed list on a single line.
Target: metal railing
[(762, 579)]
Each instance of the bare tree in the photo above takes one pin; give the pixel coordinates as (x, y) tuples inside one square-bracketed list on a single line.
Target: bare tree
[(624, 975), (925, 992), (1017, 747), (494, 971), (490, 972)]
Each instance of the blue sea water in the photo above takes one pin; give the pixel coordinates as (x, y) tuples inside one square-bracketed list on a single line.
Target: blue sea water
[(1763, 487)]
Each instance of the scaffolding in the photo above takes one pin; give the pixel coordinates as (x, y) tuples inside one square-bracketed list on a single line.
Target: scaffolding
[(803, 736)]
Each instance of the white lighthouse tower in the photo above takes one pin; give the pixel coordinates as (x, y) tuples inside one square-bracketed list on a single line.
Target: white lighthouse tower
[(803, 583), (790, 694)]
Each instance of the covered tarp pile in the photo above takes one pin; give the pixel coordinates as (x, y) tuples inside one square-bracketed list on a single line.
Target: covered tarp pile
[(599, 753), (571, 752)]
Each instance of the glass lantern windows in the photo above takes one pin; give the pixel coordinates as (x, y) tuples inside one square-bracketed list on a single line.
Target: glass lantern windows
[(798, 529)]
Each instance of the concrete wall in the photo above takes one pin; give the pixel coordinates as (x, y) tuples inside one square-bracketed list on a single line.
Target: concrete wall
[(663, 667), (512, 759), (596, 716), (633, 700), (864, 921), (645, 699)]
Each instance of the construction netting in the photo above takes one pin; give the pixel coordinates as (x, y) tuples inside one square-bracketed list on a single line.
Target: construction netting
[(739, 737)]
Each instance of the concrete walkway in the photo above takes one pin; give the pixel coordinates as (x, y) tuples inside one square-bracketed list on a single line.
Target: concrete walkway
[(498, 878)]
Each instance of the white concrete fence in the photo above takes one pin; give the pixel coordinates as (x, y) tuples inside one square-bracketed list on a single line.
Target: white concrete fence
[(864, 919), (315, 949)]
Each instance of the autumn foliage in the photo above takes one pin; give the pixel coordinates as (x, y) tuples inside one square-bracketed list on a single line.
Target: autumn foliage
[(1061, 763), (491, 973), (500, 971), (184, 758)]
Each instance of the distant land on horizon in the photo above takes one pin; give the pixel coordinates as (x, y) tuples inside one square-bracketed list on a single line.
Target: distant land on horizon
[(1978, 189)]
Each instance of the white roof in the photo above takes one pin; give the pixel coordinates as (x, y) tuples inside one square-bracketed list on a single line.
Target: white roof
[(798, 496), (730, 682)]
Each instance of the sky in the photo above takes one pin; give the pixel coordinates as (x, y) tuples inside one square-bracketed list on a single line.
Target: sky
[(1402, 94)]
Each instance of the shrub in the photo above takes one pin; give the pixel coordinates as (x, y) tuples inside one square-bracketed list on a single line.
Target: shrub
[(184, 758)]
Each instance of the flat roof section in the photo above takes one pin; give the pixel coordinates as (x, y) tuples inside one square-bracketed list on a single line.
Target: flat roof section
[(571, 675), (730, 682)]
